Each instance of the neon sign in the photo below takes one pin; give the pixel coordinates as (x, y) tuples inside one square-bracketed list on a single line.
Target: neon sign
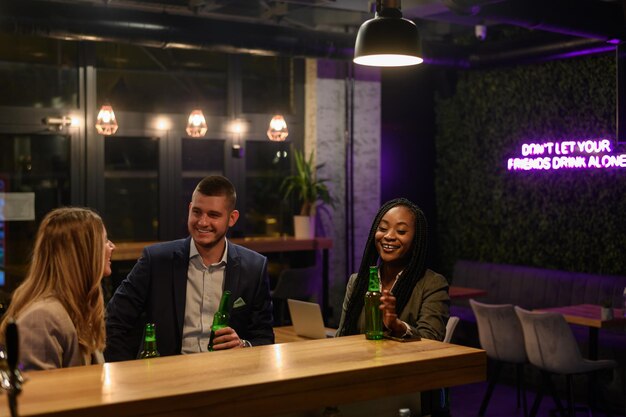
[(569, 154)]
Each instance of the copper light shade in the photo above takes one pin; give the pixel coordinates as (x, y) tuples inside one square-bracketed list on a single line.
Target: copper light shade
[(105, 123), (196, 124), (277, 131), (388, 40)]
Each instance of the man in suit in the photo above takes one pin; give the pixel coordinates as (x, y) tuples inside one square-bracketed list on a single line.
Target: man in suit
[(177, 285)]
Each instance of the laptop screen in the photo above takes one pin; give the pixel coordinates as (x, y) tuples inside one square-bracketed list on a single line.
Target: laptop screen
[(307, 320)]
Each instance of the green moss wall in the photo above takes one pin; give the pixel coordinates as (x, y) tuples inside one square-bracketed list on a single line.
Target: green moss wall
[(572, 220)]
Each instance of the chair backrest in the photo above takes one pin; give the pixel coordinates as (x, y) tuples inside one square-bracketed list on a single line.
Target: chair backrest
[(500, 332), (550, 343), (297, 283), (452, 322)]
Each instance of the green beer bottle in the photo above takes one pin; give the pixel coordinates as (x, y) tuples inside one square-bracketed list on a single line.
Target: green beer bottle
[(220, 318), (373, 314), (149, 343)]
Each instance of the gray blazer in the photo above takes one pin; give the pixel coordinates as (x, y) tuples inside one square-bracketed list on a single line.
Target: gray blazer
[(427, 311), (48, 338)]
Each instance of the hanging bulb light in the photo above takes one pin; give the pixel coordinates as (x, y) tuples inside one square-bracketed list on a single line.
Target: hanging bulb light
[(196, 125), (105, 122), (277, 131), (388, 40)]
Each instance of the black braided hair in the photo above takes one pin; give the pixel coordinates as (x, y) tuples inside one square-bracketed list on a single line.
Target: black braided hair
[(411, 274)]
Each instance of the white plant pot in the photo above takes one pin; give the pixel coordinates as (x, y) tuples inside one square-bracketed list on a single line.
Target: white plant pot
[(304, 227), (606, 313)]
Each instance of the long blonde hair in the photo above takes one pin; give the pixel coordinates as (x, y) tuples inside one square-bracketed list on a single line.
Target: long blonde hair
[(67, 264)]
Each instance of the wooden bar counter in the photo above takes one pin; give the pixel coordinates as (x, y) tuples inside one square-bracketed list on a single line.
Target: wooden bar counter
[(259, 381)]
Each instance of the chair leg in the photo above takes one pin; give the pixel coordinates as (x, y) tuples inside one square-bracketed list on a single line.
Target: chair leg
[(538, 397), (553, 392), (490, 387), (570, 396), (521, 387), (598, 398), (517, 380)]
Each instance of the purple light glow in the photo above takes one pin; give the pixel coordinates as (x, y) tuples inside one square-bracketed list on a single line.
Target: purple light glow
[(569, 154), (449, 62), (584, 52)]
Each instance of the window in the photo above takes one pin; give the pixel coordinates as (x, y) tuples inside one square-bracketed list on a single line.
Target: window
[(36, 72), (267, 84), (267, 163), (38, 164), (131, 205), (140, 79), (200, 157)]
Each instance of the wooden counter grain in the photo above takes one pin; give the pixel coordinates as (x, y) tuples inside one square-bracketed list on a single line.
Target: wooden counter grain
[(259, 381)]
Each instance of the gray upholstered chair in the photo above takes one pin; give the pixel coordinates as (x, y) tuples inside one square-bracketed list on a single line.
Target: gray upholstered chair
[(445, 392), (452, 322), (551, 347), (500, 335)]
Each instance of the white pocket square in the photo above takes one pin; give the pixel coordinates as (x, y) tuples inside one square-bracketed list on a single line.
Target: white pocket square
[(239, 303)]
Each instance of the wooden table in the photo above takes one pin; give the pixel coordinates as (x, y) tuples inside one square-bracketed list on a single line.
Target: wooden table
[(465, 292), (287, 334), (589, 315), (130, 251), (259, 381)]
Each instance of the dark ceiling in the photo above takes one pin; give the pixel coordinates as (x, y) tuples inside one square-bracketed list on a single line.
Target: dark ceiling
[(509, 31)]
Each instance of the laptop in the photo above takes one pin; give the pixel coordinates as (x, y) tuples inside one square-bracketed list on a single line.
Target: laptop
[(307, 320)]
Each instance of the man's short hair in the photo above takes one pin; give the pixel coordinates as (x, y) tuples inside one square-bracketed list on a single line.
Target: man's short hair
[(217, 185)]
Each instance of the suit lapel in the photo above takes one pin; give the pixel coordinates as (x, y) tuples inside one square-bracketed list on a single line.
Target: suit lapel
[(180, 266), (233, 270)]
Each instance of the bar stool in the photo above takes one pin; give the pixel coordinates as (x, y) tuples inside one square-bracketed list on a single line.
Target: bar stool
[(551, 347), (500, 335)]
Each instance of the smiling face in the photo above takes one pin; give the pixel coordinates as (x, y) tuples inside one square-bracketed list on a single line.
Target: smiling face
[(394, 235), (209, 219)]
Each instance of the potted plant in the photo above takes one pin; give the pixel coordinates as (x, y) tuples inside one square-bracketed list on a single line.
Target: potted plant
[(310, 192)]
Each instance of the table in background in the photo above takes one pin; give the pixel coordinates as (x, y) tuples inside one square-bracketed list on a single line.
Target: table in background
[(130, 251), (287, 334), (465, 292), (259, 381), (589, 315)]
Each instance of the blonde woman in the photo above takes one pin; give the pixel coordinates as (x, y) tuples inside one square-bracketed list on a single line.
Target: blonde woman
[(59, 309)]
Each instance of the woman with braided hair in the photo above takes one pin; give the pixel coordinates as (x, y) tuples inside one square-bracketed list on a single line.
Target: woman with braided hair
[(414, 300)]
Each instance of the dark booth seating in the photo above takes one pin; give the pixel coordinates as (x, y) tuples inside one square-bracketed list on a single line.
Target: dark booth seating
[(532, 288)]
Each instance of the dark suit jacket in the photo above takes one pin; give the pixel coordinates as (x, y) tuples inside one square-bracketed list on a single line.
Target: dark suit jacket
[(155, 290)]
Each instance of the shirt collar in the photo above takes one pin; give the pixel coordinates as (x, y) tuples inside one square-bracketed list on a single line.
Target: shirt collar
[(380, 282), (193, 252)]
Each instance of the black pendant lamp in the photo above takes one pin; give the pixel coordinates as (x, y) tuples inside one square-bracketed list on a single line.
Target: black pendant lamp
[(388, 40)]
